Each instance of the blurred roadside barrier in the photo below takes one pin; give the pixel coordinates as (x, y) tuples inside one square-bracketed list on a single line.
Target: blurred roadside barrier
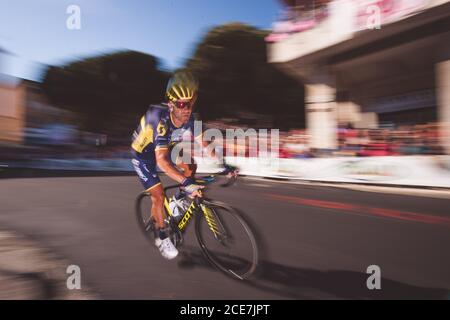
[(419, 171)]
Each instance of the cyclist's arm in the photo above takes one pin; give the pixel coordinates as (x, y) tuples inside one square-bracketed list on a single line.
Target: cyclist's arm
[(162, 160)]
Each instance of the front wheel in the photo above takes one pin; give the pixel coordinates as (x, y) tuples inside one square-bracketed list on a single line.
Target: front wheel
[(226, 240)]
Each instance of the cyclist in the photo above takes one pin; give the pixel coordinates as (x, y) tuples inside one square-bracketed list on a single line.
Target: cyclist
[(160, 129)]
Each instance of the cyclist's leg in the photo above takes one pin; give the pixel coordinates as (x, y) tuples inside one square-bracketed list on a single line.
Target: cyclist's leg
[(148, 175), (157, 198)]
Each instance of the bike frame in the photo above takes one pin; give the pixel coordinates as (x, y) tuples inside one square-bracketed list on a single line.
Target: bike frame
[(196, 206), (187, 215)]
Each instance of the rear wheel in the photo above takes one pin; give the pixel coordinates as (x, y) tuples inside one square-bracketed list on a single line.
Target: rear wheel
[(227, 240), (146, 222)]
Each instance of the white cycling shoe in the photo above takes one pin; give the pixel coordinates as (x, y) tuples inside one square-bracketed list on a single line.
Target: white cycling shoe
[(166, 248)]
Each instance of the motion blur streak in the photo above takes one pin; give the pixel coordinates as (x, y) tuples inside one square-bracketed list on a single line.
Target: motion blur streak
[(379, 212)]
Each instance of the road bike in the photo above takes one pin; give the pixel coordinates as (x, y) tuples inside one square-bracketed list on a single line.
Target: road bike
[(224, 236)]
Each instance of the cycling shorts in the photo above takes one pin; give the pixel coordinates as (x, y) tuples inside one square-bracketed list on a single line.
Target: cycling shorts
[(147, 173)]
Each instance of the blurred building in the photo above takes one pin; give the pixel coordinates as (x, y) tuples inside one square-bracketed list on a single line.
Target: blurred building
[(26, 117), (370, 64), (12, 111)]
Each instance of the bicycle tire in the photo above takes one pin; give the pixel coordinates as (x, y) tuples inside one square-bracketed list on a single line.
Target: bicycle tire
[(147, 227), (251, 264)]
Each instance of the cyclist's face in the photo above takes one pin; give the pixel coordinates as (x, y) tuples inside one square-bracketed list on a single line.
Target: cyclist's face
[(182, 109)]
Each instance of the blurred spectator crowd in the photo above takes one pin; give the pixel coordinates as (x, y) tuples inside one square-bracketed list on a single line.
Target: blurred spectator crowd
[(302, 15), (294, 144), (417, 139), (420, 139), (298, 16)]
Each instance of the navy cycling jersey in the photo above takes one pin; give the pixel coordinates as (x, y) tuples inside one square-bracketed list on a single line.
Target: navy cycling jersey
[(157, 131)]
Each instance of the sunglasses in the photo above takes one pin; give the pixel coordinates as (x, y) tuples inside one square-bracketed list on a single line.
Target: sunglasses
[(183, 105)]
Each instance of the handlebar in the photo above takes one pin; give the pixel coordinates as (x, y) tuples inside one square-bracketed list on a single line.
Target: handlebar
[(208, 180)]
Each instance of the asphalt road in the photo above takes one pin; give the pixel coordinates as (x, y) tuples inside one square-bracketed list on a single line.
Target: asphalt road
[(316, 242)]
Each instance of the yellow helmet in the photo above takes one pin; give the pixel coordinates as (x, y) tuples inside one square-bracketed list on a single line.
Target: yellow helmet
[(182, 85)]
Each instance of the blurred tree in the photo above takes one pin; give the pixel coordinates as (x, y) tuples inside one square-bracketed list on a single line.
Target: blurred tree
[(231, 63), (109, 91)]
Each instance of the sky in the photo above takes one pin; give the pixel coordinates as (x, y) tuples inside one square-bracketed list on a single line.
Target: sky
[(35, 34)]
